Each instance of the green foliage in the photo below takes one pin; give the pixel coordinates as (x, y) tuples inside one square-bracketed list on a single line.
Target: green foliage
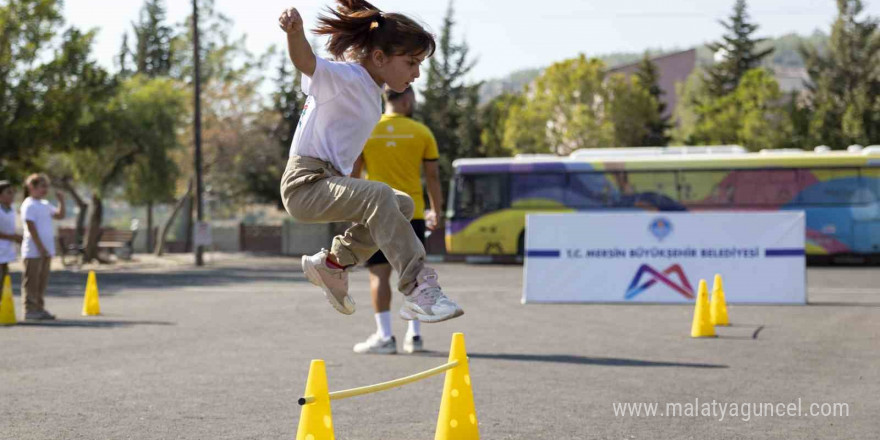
[(224, 57), (450, 106), (262, 169), (657, 127), (235, 123), (493, 118), (633, 111), (574, 105), (153, 55), (49, 88), (153, 111), (752, 115), (738, 50), (845, 81), (144, 116)]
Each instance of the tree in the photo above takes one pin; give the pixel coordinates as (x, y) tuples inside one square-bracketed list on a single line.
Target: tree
[(153, 177), (122, 59), (753, 115), (231, 79), (693, 95), (632, 109), (657, 128), (574, 104), (153, 54), (145, 113), (736, 53), (845, 81), (264, 167), (493, 118), (565, 107), (49, 87), (450, 104)]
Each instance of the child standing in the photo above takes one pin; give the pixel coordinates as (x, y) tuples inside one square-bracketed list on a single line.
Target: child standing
[(8, 237), (343, 107), (38, 246)]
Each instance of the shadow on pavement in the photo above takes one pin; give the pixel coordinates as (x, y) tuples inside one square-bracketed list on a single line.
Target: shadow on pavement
[(577, 360), (88, 323), (843, 304), (64, 283)]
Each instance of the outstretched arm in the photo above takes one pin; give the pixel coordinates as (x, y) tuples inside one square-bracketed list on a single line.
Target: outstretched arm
[(297, 46), (62, 211)]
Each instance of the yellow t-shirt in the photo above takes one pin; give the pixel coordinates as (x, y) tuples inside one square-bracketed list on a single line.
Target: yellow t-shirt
[(394, 155)]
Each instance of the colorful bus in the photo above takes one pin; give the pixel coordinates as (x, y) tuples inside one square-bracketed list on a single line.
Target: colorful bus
[(838, 190)]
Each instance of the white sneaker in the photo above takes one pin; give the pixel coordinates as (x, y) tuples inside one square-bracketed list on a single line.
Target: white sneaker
[(413, 344), (426, 302), (334, 282), (376, 345)]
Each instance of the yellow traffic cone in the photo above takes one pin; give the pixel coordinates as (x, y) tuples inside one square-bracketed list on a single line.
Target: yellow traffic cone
[(458, 417), (315, 422), (7, 306), (91, 306), (702, 325), (718, 305)]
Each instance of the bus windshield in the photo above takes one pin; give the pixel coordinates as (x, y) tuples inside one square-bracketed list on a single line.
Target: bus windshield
[(478, 194)]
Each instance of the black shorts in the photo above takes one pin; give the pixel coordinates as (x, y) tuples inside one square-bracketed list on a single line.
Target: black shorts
[(379, 257)]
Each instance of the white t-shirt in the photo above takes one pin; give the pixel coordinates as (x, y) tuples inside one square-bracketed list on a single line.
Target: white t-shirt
[(343, 108), (7, 226), (40, 212)]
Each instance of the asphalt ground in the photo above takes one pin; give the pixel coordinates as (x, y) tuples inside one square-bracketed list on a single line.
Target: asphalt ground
[(223, 352)]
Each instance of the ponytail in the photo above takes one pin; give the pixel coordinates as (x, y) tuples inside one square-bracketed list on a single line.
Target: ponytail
[(356, 28)]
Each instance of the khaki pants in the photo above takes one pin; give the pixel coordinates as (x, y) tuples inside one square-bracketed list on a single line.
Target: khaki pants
[(313, 191), (33, 283)]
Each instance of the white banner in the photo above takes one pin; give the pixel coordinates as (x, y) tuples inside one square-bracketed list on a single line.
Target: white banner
[(659, 257)]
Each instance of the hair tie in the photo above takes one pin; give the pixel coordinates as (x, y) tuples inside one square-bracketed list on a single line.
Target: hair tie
[(378, 22)]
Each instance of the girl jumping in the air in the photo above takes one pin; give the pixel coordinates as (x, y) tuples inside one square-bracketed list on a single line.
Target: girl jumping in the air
[(344, 104)]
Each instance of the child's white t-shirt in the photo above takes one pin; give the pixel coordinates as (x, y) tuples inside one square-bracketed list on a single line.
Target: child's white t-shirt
[(343, 108), (40, 212), (7, 226)]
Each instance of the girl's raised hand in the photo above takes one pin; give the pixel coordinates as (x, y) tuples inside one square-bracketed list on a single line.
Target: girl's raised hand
[(290, 21)]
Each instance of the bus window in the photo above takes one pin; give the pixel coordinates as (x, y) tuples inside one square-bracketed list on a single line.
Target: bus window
[(706, 188), (648, 190), (590, 190), (765, 187), (478, 194), (661, 183), (537, 190), (871, 183), (831, 186)]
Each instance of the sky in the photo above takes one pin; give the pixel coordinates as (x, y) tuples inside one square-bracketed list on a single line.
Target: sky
[(504, 35)]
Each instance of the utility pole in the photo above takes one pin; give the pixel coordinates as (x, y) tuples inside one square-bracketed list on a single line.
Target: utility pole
[(197, 122)]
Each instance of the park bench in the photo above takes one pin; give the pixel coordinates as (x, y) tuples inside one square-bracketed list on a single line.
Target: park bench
[(120, 242)]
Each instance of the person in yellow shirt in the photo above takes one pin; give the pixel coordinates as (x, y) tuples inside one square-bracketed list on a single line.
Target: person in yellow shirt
[(396, 153)]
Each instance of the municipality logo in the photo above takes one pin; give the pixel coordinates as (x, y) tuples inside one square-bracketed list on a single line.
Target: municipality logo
[(639, 282), (661, 227)]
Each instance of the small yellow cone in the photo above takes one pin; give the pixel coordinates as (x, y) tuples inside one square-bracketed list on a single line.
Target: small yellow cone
[(7, 306), (702, 325), (718, 304), (458, 417), (315, 422), (91, 306)]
